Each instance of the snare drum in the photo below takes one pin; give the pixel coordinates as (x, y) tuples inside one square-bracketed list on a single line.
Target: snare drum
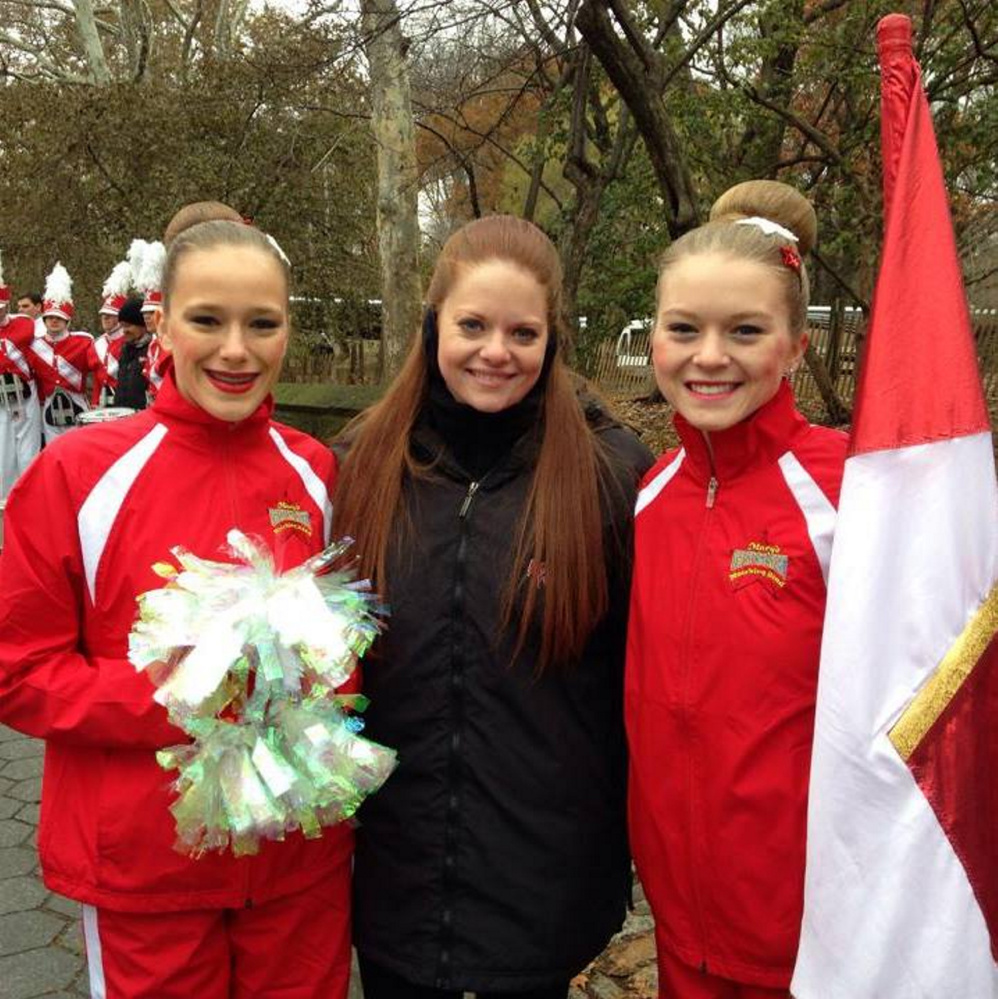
[(105, 415)]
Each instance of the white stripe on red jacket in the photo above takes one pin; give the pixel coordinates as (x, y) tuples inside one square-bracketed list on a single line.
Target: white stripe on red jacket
[(63, 363), (16, 336)]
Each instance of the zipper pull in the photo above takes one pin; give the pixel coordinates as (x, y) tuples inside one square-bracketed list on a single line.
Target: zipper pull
[(472, 489), (712, 488)]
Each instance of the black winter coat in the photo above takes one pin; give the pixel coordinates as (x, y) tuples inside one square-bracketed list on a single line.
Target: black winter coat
[(495, 858), (132, 387)]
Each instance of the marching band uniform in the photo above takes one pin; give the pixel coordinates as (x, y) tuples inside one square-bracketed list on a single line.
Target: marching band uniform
[(20, 417), (149, 280), (106, 353), (156, 364), (107, 347), (61, 361), (61, 365)]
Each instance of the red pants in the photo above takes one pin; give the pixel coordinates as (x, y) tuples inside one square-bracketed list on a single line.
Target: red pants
[(297, 947), (677, 980)]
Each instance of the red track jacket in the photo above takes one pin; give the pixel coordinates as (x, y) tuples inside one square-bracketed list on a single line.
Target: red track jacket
[(83, 527), (727, 603)]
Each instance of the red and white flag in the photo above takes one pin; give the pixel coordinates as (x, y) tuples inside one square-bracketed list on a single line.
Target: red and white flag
[(901, 890)]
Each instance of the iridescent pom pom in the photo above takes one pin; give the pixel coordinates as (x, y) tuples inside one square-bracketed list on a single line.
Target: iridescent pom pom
[(246, 660)]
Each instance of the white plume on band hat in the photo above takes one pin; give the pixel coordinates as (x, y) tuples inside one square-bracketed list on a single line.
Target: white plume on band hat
[(58, 297), (134, 256), (149, 274), (116, 288)]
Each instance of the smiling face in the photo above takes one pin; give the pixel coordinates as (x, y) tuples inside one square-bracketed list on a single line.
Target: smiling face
[(226, 324), (493, 333), (722, 339)]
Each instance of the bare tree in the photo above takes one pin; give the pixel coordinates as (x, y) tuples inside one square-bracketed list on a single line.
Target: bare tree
[(398, 179)]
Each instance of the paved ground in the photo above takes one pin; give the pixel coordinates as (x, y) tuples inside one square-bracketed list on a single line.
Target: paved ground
[(41, 946), (626, 969), (41, 949)]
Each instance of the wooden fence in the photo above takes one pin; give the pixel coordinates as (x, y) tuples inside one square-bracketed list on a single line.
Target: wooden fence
[(353, 362)]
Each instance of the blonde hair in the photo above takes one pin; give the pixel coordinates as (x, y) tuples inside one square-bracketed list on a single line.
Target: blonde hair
[(766, 199)]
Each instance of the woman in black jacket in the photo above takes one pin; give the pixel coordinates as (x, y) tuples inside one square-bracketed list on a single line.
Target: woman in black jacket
[(492, 507)]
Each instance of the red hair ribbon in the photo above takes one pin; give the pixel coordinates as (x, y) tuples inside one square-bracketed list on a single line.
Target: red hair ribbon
[(791, 258)]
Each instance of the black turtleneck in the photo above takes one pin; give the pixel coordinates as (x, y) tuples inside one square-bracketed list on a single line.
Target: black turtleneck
[(478, 441)]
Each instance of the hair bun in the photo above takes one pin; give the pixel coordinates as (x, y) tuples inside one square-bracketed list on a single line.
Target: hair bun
[(773, 200), (196, 213)]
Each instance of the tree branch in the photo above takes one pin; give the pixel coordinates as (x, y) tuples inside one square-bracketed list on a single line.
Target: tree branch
[(841, 281), (711, 28)]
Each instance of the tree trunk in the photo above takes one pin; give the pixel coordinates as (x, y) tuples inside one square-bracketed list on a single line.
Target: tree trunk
[(136, 32), (86, 27), (397, 213), (635, 82)]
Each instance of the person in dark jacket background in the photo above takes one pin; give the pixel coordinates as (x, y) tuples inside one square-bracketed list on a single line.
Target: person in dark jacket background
[(492, 507), (132, 388)]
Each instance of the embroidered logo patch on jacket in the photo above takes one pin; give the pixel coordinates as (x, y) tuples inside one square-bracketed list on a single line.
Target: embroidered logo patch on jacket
[(290, 517), (759, 560)]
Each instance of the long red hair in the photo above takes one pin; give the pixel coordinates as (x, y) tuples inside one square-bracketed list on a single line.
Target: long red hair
[(562, 524)]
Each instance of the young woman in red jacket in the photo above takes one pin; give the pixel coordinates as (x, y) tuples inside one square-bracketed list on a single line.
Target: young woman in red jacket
[(732, 538), (83, 527)]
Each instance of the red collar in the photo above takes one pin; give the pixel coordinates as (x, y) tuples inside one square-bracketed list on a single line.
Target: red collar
[(173, 408), (758, 440)]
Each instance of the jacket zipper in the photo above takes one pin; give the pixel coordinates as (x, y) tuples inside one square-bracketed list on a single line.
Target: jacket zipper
[(466, 505), (454, 768), (713, 485)]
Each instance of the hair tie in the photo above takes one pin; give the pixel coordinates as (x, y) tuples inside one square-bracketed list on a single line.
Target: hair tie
[(769, 227)]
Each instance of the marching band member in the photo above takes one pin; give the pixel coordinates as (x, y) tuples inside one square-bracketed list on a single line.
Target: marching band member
[(20, 420), (83, 529), (733, 531), (149, 281), (30, 304), (61, 359), (107, 347)]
